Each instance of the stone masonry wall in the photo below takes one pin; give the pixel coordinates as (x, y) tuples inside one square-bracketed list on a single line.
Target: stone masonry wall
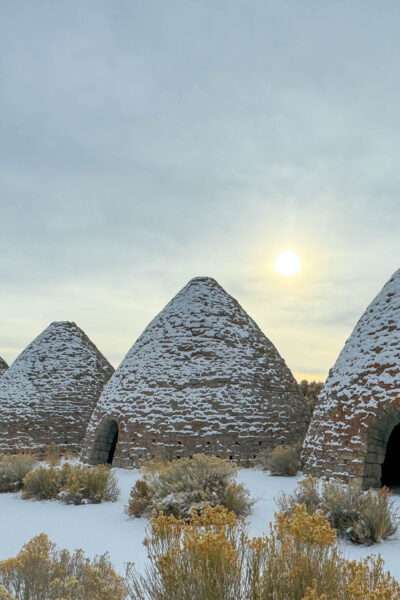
[(50, 391), (201, 378), (360, 403)]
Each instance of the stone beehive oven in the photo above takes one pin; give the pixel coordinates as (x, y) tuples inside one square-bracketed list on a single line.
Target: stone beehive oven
[(354, 432), (201, 378), (3, 366), (49, 392)]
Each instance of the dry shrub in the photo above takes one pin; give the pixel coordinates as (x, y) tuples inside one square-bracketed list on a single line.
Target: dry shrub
[(237, 500), (41, 572), (363, 517), (4, 595), (89, 485), (306, 493), (311, 390), (53, 455), (211, 558), (73, 484), (13, 469), (42, 484), (140, 498), (377, 519), (186, 485), (282, 460), (201, 559)]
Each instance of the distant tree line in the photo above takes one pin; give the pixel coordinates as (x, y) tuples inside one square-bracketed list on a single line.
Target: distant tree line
[(311, 391)]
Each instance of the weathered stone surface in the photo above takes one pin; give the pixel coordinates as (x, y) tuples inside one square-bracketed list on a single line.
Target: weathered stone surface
[(201, 378), (49, 392), (360, 403), (3, 366)]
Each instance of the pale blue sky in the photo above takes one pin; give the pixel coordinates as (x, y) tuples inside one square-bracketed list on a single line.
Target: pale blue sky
[(146, 142)]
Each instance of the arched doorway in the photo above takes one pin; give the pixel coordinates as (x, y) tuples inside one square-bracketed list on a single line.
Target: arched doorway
[(382, 459), (105, 443), (391, 464)]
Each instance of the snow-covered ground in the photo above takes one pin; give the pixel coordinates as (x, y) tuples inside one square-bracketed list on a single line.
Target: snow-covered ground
[(107, 528)]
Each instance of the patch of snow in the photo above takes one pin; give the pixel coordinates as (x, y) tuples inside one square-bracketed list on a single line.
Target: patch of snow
[(96, 528)]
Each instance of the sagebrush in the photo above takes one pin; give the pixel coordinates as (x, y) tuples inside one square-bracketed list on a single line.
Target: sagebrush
[(363, 517), (89, 485), (186, 485), (41, 572), (209, 557), (73, 484), (13, 469), (282, 460), (212, 558)]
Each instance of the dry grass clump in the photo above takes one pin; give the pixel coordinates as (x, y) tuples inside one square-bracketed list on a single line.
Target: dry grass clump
[(282, 460), (190, 484), (212, 558), (41, 572), (363, 517), (42, 484), (53, 455), (73, 484), (140, 499), (200, 559), (13, 468), (89, 485), (378, 519)]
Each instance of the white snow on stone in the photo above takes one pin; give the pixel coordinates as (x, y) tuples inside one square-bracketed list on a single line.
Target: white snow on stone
[(368, 368), (366, 374), (203, 359), (58, 376)]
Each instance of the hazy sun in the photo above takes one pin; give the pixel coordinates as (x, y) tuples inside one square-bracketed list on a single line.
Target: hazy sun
[(288, 264)]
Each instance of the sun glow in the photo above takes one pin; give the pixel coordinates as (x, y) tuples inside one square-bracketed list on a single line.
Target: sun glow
[(288, 264)]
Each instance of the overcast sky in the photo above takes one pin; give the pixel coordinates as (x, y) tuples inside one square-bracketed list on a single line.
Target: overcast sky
[(146, 142)]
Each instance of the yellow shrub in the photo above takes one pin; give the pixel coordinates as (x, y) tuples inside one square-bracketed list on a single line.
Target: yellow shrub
[(200, 559), (211, 558), (364, 517), (41, 572), (4, 595), (312, 529)]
